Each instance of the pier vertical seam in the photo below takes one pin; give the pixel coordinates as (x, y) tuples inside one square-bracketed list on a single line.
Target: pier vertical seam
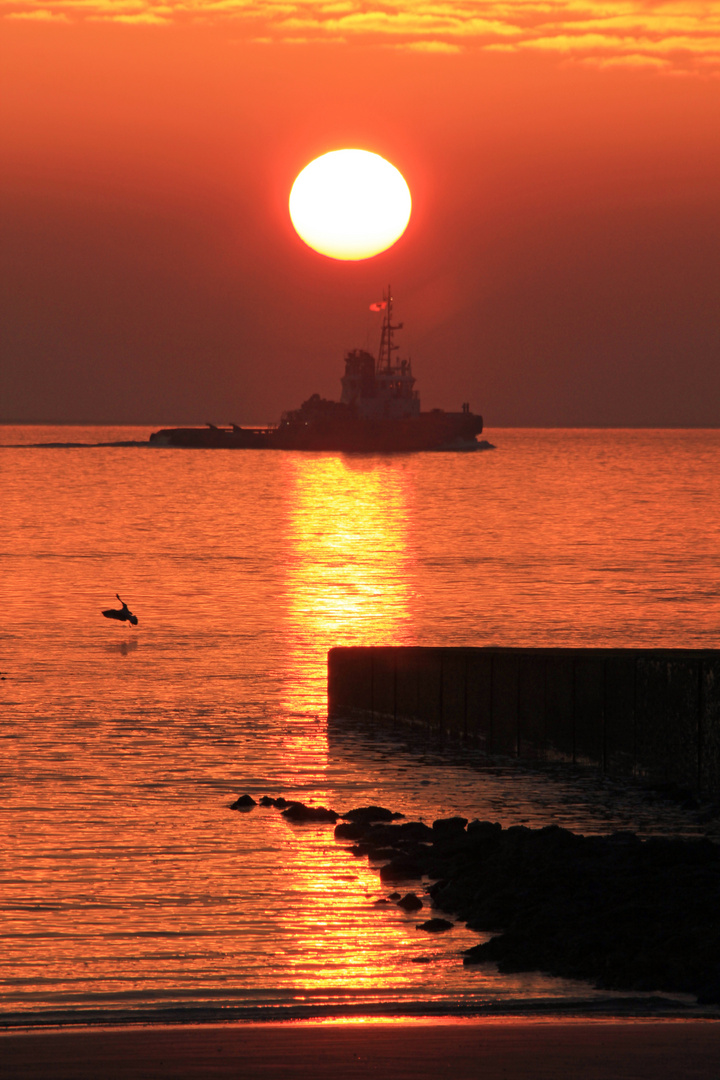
[(604, 717), (634, 721), (465, 697), (700, 711), (545, 691), (491, 716), (573, 711), (372, 684), (517, 713)]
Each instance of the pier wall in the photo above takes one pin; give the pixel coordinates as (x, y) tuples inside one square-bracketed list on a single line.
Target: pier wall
[(649, 713)]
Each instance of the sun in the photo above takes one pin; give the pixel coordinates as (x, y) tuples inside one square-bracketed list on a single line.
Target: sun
[(350, 204)]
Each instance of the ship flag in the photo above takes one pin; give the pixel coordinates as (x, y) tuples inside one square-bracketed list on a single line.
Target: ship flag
[(379, 306)]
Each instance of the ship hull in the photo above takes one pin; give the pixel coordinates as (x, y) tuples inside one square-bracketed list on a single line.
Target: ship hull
[(213, 438), (435, 430)]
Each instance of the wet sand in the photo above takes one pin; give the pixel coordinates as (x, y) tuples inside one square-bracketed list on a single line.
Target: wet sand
[(508, 1049)]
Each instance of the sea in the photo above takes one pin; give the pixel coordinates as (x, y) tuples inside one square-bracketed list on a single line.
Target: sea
[(129, 890)]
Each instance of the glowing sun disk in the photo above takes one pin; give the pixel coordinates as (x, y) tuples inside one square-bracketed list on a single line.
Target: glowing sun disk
[(350, 204)]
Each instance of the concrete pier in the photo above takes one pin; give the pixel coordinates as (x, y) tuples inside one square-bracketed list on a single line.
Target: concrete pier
[(650, 713)]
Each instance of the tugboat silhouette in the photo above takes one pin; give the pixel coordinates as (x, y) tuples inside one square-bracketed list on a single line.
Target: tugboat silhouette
[(378, 413), (123, 614)]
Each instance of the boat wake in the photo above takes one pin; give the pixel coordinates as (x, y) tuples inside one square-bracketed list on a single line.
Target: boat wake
[(70, 445)]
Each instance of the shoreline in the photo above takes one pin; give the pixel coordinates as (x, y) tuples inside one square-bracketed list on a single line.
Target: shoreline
[(615, 1009), (497, 1049)]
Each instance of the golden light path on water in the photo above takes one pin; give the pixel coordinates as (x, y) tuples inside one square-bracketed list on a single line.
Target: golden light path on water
[(126, 880), (348, 578), (349, 568)]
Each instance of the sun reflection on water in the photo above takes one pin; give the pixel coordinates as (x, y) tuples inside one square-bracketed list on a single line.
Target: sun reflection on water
[(349, 571), (348, 581)]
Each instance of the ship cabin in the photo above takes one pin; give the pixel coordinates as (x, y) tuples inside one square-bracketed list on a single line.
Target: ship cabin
[(379, 393), (382, 389)]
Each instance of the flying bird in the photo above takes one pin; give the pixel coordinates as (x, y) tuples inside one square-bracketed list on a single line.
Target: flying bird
[(123, 614)]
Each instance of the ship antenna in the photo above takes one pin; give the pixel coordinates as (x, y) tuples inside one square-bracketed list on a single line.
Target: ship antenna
[(386, 343)]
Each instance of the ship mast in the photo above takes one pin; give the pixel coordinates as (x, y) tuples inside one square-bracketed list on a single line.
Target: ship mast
[(387, 348)]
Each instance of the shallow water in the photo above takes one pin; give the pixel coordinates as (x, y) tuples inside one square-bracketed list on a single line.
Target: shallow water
[(126, 880)]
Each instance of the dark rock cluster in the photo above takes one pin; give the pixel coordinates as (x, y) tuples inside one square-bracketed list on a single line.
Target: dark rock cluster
[(624, 913), (293, 811), (296, 811), (629, 914)]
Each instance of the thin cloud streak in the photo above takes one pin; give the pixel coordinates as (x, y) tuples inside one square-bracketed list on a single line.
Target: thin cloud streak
[(672, 36)]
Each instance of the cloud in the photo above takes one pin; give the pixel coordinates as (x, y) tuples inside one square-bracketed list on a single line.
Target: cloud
[(679, 35), (144, 18), (40, 15), (631, 60), (433, 47)]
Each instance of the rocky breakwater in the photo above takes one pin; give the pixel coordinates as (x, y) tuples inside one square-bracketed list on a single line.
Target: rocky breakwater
[(625, 913)]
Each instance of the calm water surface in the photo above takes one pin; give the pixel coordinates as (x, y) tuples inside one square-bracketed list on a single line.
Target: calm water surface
[(127, 883)]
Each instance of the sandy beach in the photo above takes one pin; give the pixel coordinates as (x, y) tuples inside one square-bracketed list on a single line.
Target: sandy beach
[(508, 1049)]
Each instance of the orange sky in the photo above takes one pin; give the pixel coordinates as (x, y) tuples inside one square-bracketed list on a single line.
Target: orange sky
[(560, 266)]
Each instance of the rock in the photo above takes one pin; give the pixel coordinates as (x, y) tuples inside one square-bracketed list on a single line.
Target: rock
[(402, 868), (435, 926), (398, 835), (437, 887), (267, 801), (244, 802), (418, 851), (281, 803), (299, 812), (449, 826), (367, 814), (350, 830), (394, 896), (474, 955), (486, 830), (410, 902), (381, 854), (415, 830), (387, 835), (454, 896), (373, 851), (624, 837)]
